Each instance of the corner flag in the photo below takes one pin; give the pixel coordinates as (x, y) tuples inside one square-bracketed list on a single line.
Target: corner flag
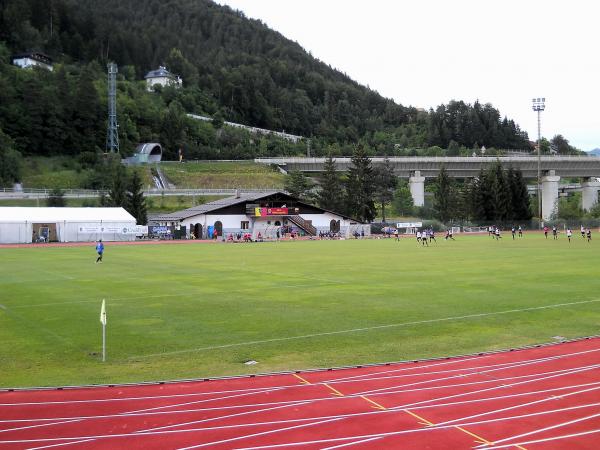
[(103, 322), (103, 313)]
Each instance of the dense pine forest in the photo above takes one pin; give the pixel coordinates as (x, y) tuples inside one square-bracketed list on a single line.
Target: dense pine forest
[(233, 68)]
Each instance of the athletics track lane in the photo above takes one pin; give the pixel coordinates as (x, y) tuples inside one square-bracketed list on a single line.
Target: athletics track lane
[(539, 398)]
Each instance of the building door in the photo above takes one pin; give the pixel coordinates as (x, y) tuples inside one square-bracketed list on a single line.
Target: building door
[(198, 231), (334, 226), (218, 228)]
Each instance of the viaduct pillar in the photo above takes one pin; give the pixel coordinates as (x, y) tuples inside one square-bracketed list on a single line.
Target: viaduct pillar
[(416, 184), (589, 195), (549, 194)]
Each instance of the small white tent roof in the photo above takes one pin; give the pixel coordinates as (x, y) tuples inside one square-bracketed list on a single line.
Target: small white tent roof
[(39, 215)]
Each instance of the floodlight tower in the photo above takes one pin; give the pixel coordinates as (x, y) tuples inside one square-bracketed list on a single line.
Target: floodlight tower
[(112, 132), (539, 104)]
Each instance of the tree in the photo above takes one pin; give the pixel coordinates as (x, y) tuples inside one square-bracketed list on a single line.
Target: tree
[(403, 203), (360, 187), (385, 182), (117, 193), (298, 185), (331, 192), (519, 195), (10, 161), (561, 146), (56, 199), (136, 204), (444, 196), (501, 194)]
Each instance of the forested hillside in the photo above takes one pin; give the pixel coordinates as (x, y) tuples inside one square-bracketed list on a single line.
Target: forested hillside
[(232, 67)]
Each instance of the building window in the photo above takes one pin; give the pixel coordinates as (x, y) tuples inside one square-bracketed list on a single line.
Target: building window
[(245, 225)]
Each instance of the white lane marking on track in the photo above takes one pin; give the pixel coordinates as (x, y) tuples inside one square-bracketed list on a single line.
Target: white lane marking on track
[(403, 432), (417, 383), (362, 441), (555, 374), (192, 430), (522, 405), (331, 380), (250, 412), (540, 430), (70, 420), (291, 403), (59, 445), (550, 439), (186, 411), (254, 405), (354, 330), (229, 416), (263, 433), (465, 359)]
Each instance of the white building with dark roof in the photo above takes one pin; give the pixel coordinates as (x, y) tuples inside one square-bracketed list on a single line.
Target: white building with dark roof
[(162, 77), (267, 213), (32, 59)]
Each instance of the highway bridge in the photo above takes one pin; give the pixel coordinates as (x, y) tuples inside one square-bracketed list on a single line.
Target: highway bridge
[(418, 168)]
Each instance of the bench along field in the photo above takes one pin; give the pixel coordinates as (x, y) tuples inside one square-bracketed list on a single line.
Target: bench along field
[(195, 310)]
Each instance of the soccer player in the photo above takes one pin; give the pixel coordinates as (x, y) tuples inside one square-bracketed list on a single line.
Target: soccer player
[(497, 233), (546, 232), (582, 232), (432, 235), (589, 234), (520, 231), (418, 235), (569, 234), (554, 233), (424, 238), (100, 251), (513, 231)]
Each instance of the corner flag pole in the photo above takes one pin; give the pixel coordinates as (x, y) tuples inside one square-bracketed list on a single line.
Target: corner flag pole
[(103, 322)]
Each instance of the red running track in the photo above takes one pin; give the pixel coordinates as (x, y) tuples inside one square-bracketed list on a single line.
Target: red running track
[(545, 397)]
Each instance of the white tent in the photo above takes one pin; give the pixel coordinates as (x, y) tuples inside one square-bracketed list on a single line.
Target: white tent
[(23, 225)]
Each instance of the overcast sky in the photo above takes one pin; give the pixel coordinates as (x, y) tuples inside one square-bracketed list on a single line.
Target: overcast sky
[(427, 52)]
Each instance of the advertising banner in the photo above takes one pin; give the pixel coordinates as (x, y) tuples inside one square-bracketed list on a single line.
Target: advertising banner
[(264, 212), (90, 229), (138, 230), (409, 224)]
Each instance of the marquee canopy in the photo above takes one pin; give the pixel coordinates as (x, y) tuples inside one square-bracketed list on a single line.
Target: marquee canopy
[(16, 214)]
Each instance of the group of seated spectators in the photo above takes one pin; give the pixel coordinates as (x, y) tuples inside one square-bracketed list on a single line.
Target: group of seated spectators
[(242, 237), (329, 235)]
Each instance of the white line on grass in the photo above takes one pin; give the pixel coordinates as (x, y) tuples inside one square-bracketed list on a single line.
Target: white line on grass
[(354, 330)]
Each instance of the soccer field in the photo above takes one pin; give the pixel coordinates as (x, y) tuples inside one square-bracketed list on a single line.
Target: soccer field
[(193, 311)]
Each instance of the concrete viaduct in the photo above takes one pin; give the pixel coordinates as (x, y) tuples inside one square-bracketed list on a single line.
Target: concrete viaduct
[(417, 169)]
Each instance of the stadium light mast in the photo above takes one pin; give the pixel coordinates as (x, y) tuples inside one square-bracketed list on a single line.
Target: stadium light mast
[(112, 132), (539, 104)]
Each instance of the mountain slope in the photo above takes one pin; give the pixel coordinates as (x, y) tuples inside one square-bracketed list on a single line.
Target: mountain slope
[(239, 69)]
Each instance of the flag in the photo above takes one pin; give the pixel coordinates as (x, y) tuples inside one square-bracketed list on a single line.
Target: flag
[(103, 313)]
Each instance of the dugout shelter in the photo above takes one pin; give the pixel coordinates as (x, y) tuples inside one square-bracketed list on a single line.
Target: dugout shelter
[(20, 225)]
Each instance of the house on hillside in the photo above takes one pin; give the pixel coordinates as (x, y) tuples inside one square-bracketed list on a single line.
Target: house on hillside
[(268, 213), (162, 77), (32, 59)]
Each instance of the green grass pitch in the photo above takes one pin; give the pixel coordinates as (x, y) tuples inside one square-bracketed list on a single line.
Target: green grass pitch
[(189, 311)]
